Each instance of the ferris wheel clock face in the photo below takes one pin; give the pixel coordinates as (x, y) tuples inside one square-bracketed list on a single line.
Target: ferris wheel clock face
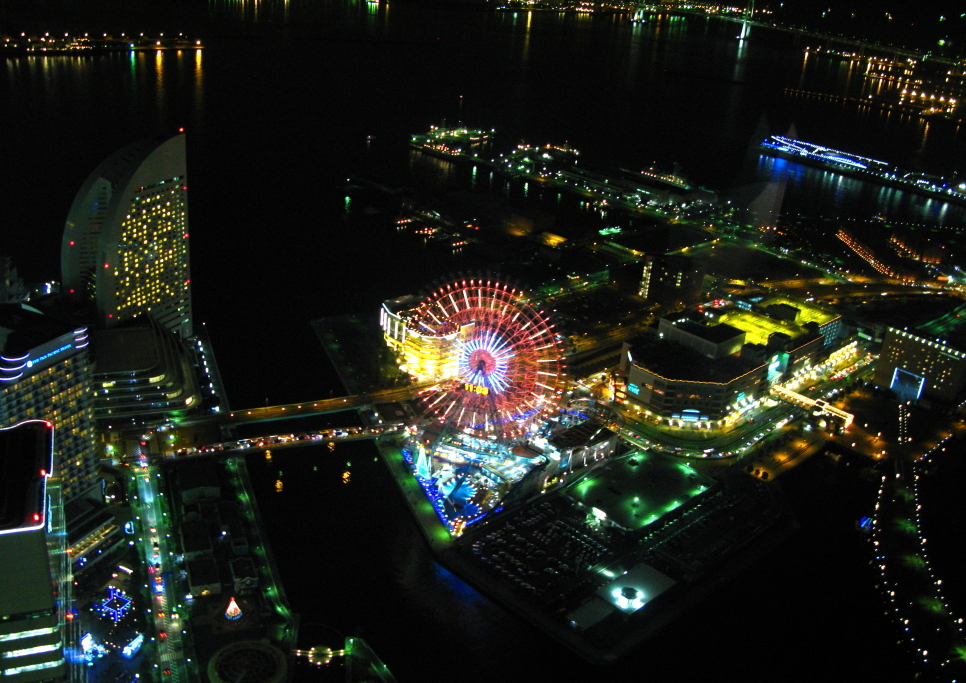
[(508, 360)]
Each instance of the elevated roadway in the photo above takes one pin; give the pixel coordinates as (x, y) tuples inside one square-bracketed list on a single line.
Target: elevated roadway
[(334, 435), (306, 408)]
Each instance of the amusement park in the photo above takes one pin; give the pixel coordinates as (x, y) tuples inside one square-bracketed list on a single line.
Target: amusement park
[(495, 395), (542, 499)]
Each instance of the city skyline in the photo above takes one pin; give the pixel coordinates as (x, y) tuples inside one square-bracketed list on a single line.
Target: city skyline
[(302, 243)]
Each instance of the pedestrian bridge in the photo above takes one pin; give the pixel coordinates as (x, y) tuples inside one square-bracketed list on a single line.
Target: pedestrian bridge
[(822, 406)]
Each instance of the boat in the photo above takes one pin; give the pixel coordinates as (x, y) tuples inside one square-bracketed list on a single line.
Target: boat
[(865, 168)]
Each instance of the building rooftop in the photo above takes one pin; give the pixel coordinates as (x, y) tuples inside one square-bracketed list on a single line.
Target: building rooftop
[(637, 491), (808, 312), (712, 333), (23, 327), (197, 473), (759, 326), (127, 349), (26, 458), (586, 433), (672, 361)]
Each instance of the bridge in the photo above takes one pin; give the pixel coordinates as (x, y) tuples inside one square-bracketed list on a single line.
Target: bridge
[(822, 406), (331, 436), (306, 408), (745, 17)]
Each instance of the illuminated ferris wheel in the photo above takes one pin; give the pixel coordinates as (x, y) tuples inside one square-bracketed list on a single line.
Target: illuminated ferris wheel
[(505, 361)]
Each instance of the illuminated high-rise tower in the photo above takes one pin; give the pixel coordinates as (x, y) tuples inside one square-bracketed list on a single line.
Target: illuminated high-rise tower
[(46, 374), (35, 588), (126, 238)]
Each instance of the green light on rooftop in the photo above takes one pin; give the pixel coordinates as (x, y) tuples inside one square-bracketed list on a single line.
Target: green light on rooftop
[(933, 605), (442, 535), (905, 525), (915, 561)]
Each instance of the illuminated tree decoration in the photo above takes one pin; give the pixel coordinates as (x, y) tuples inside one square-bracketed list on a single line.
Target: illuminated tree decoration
[(233, 613), (507, 359)]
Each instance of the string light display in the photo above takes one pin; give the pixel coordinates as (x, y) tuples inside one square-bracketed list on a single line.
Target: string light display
[(913, 594), (115, 606)]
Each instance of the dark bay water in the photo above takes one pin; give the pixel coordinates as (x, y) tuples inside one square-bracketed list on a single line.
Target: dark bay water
[(277, 109)]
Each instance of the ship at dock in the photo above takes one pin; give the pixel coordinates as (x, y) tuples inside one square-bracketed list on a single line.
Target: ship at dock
[(655, 192), (450, 143), (871, 170)]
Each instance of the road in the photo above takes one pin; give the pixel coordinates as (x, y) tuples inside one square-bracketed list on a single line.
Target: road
[(158, 555)]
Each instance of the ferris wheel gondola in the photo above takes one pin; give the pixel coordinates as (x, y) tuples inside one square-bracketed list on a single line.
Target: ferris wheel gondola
[(508, 360)]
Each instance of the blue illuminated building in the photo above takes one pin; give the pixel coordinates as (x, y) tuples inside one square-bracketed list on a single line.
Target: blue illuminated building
[(916, 365), (31, 616), (115, 606)]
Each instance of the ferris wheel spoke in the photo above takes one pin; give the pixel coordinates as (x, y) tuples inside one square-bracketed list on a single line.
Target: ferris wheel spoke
[(504, 368)]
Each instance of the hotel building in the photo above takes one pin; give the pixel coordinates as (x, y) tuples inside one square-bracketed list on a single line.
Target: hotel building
[(125, 242), (673, 281), (917, 366), (143, 375), (45, 373), (423, 356)]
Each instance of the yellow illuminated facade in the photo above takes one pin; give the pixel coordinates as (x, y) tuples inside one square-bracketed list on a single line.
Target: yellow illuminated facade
[(126, 237), (758, 325), (54, 384), (152, 269), (422, 356)]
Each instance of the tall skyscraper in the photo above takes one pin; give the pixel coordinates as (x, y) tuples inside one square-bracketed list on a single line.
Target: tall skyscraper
[(126, 237), (46, 374), (32, 580)]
